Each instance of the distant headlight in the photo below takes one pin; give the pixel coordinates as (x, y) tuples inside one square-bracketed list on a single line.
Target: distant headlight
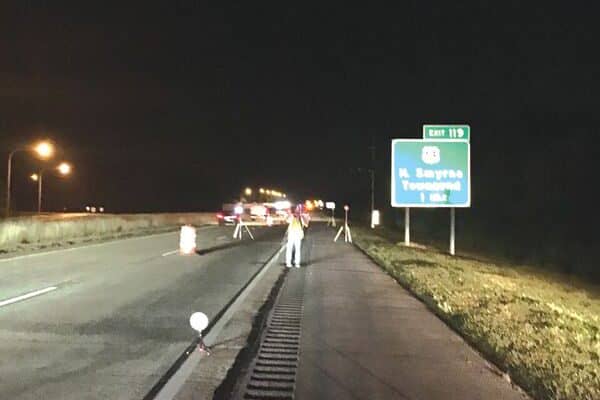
[(282, 205)]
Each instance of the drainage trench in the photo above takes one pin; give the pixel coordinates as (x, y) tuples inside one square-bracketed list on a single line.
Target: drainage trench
[(272, 372)]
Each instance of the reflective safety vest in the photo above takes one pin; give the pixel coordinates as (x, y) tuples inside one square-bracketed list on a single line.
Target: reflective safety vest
[(295, 229)]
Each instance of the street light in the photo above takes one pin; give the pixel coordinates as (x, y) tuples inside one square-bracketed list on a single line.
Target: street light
[(44, 150), (248, 191), (63, 168)]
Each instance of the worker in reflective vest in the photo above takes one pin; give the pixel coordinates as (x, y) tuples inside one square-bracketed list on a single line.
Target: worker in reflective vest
[(295, 234)]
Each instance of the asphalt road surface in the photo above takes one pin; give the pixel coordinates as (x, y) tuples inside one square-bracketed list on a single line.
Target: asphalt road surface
[(112, 317)]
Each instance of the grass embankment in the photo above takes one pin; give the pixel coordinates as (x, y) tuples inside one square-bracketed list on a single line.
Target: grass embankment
[(25, 233), (544, 333)]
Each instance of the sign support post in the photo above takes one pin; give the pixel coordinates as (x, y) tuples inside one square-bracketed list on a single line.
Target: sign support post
[(407, 226), (452, 229)]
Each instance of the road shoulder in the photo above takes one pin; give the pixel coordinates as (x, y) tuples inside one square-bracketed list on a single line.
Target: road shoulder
[(364, 336), (216, 375)]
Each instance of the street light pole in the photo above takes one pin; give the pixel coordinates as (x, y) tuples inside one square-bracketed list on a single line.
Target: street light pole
[(40, 191), (63, 168), (44, 149)]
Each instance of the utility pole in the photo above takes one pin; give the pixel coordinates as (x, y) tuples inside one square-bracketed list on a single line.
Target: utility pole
[(372, 173)]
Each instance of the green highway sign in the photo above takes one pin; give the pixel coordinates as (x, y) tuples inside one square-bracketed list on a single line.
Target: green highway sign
[(431, 173), (446, 132)]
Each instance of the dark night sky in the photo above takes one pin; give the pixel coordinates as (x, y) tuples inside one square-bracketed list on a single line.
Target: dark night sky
[(177, 107)]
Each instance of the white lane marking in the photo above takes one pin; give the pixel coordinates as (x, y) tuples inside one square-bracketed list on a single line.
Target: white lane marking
[(168, 253), (171, 388), (27, 296), (2, 260)]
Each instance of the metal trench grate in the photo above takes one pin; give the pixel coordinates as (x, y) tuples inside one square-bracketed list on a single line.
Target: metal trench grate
[(273, 371)]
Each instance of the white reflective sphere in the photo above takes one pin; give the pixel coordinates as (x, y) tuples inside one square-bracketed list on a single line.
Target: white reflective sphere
[(199, 321)]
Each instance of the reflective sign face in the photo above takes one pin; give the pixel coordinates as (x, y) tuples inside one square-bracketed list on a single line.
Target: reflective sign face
[(430, 173), (455, 132)]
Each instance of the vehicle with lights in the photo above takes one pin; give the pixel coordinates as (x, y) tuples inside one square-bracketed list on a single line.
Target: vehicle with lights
[(278, 216), (270, 213), (258, 212), (228, 215)]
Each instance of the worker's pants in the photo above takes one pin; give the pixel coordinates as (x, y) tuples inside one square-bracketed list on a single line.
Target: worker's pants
[(293, 245)]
